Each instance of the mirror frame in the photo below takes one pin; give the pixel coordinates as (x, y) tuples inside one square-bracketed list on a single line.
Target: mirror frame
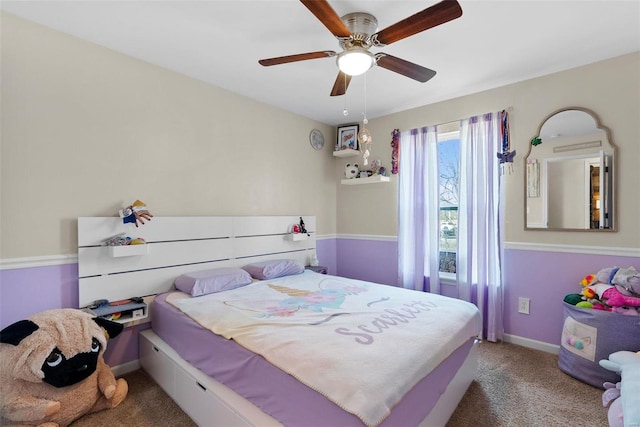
[(614, 179)]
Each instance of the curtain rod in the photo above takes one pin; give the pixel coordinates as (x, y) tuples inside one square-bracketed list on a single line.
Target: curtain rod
[(508, 110)]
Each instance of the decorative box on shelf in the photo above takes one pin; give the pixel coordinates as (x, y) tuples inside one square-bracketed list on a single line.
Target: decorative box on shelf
[(124, 313)]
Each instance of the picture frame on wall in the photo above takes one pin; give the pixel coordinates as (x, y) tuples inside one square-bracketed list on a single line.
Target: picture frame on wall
[(533, 179), (348, 137)]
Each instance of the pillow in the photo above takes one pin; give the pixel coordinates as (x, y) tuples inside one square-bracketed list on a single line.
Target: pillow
[(274, 268), (206, 282)]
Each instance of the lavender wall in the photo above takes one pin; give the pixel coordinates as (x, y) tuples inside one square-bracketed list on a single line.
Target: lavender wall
[(326, 253), (372, 260), (544, 277), (26, 291)]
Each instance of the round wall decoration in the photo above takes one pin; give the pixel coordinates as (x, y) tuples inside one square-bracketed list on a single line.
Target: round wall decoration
[(316, 139)]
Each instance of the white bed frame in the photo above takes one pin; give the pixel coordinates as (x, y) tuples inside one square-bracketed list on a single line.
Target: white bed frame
[(176, 245)]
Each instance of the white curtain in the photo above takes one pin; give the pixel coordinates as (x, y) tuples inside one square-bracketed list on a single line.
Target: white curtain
[(479, 257), (418, 210)]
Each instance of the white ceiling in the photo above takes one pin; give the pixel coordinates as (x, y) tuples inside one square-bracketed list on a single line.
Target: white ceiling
[(494, 43)]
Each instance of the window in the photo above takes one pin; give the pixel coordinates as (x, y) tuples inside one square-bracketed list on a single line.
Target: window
[(449, 211), (448, 171)]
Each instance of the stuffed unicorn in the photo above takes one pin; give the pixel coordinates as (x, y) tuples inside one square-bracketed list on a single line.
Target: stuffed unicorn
[(627, 364)]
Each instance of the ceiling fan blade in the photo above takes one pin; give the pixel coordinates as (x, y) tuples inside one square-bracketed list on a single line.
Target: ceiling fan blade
[(325, 13), (406, 68), (295, 58), (435, 15), (341, 84)]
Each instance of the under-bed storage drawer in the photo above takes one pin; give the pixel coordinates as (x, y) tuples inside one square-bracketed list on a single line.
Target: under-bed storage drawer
[(205, 400), (201, 404), (158, 365)]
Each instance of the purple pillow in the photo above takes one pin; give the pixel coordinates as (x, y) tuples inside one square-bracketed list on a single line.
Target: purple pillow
[(206, 282), (274, 268)]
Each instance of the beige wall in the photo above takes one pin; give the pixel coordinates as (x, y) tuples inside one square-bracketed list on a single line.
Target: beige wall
[(86, 130), (610, 88)]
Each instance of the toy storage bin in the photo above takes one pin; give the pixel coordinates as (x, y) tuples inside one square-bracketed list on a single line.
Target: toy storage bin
[(591, 335)]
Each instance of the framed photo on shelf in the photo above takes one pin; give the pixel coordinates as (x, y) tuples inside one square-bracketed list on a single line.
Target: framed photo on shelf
[(348, 137)]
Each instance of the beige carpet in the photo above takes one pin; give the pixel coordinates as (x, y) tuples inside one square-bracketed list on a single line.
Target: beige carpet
[(519, 387), (514, 387), (146, 405)]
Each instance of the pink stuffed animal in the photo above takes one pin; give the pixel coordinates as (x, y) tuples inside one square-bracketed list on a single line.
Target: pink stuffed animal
[(611, 296)]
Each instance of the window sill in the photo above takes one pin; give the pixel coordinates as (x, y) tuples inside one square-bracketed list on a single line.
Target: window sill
[(448, 279)]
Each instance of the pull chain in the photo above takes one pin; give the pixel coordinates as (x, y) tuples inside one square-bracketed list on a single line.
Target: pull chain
[(345, 112), (365, 120)]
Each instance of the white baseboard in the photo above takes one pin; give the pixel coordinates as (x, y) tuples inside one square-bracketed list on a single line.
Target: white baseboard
[(125, 368), (534, 344)]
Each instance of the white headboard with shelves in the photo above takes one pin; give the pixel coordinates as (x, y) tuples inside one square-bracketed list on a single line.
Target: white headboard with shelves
[(176, 245)]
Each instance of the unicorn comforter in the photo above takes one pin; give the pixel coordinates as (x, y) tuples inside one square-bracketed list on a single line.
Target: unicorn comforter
[(360, 344)]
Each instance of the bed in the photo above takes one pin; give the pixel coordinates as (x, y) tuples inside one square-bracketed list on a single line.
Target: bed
[(218, 382)]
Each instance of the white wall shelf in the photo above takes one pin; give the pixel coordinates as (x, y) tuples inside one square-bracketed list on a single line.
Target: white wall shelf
[(373, 179), (128, 250), (296, 237), (346, 153), (130, 314)]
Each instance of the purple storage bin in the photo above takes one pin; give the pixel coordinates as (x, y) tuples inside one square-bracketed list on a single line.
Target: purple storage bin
[(589, 336)]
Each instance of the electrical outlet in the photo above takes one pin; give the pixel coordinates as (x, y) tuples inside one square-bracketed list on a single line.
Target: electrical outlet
[(523, 305)]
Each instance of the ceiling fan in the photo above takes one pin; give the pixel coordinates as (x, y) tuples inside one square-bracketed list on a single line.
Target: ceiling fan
[(356, 33)]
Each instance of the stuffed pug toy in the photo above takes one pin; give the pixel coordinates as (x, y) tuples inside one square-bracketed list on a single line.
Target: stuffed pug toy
[(52, 369)]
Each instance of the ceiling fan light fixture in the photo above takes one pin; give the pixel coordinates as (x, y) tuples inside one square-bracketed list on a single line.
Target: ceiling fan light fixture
[(355, 61)]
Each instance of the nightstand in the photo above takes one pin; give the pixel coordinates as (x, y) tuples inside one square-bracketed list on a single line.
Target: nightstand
[(318, 269)]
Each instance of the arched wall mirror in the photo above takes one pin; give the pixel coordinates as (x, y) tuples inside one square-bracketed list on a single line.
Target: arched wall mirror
[(569, 179)]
